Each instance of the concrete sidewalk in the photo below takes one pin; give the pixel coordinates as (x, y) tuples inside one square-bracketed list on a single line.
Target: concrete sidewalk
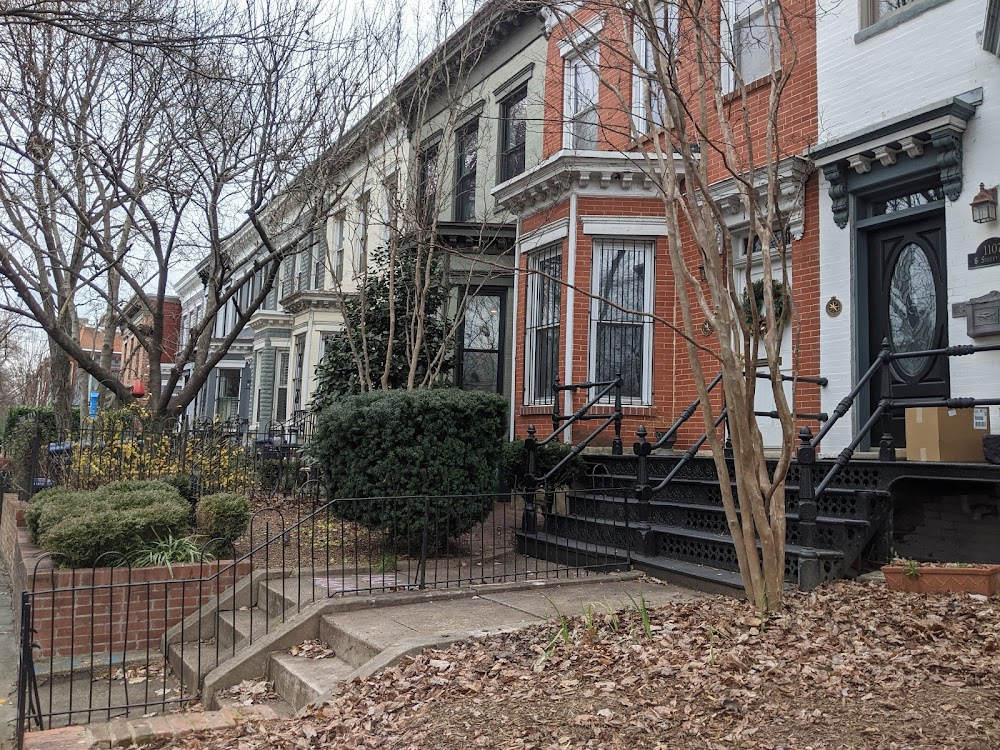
[(369, 634)]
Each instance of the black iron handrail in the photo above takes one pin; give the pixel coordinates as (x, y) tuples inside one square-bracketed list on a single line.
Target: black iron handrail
[(670, 435), (562, 422), (810, 491)]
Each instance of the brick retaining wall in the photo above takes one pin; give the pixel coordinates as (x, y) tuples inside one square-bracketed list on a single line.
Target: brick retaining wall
[(99, 610)]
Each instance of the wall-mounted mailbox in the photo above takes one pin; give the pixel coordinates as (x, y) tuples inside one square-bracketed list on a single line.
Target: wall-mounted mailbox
[(982, 315)]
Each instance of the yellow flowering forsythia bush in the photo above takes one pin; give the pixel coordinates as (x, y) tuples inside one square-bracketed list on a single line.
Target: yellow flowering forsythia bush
[(109, 455)]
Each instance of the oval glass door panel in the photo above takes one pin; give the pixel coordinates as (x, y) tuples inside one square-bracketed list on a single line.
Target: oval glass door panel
[(912, 308)]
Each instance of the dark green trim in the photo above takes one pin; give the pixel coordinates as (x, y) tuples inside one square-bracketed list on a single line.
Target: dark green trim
[(909, 213), (962, 106), (897, 17)]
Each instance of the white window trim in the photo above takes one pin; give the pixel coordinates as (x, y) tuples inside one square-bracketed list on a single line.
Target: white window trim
[(638, 45), (530, 386), (544, 235), (729, 20), (583, 37), (646, 399), (579, 43), (625, 226)]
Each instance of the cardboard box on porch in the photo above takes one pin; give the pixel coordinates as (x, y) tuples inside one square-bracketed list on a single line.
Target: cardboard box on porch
[(943, 434)]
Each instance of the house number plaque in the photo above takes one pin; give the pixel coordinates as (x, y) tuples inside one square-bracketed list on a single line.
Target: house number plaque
[(987, 254)]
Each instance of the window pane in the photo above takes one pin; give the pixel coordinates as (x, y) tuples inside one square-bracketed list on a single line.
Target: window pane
[(480, 371), (752, 44), (482, 322), (585, 82), (619, 349), (585, 130)]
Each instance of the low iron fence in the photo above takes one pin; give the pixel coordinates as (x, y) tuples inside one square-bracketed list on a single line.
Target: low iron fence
[(117, 640), (213, 457)]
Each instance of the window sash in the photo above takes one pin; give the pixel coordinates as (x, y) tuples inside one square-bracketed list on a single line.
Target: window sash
[(513, 136), (466, 152), (620, 316), (544, 313), (667, 22), (753, 56), (581, 99)]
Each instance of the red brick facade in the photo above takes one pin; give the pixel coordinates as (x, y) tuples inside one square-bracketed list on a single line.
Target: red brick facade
[(673, 387)]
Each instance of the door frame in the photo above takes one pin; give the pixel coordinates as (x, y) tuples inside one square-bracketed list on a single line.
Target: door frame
[(863, 225)]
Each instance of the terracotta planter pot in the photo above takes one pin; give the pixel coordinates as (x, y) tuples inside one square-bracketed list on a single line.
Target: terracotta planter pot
[(944, 580)]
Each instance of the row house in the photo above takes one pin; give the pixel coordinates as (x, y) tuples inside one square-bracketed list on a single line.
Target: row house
[(419, 168), (593, 232)]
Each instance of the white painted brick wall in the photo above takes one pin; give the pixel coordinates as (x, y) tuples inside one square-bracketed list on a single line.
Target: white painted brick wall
[(929, 58)]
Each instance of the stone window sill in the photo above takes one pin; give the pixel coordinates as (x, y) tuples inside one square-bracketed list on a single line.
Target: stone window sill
[(896, 18), (749, 88)]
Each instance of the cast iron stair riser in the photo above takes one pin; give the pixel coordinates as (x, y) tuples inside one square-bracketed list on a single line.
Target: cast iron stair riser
[(831, 533), (688, 545), (836, 502), (859, 475)]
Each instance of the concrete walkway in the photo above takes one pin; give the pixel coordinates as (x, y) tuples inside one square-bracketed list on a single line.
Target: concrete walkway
[(8, 664), (503, 607)]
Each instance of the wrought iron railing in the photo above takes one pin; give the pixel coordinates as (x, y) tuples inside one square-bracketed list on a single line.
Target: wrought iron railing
[(560, 424), (116, 640), (811, 486)]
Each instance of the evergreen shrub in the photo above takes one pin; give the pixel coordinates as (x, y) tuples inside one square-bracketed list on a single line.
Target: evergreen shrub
[(441, 448)]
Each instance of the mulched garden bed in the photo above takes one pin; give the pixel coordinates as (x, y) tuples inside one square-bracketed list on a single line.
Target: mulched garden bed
[(325, 539), (849, 666)]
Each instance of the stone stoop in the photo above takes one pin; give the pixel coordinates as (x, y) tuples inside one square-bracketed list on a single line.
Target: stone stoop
[(128, 732)]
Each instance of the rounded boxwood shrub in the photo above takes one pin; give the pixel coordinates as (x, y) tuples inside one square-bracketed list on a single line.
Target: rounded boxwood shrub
[(223, 516), (81, 528), (48, 507), (440, 448)]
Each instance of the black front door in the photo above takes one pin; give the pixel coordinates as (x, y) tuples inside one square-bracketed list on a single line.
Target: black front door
[(907, 303)]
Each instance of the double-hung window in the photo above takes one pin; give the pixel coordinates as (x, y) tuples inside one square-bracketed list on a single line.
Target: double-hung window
[(544, 312), (427, 185), (580, 105), (364, 215), (756, 40), (654, 53), (621, 325), (513, 133), (339, 223), (466, 152)]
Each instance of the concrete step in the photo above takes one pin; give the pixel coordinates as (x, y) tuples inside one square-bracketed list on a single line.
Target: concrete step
[(288, 594), (350, 644), (235, 627), (192, 660), (300, 680)]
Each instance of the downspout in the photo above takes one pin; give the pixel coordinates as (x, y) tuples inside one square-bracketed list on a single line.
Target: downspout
[(570, 299)]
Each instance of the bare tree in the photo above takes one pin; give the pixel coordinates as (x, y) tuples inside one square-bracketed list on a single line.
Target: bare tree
[(119, 165), (697, 123)]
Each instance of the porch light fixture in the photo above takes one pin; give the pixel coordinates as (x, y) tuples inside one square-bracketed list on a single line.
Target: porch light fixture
[(293, 436), (984, 205)]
